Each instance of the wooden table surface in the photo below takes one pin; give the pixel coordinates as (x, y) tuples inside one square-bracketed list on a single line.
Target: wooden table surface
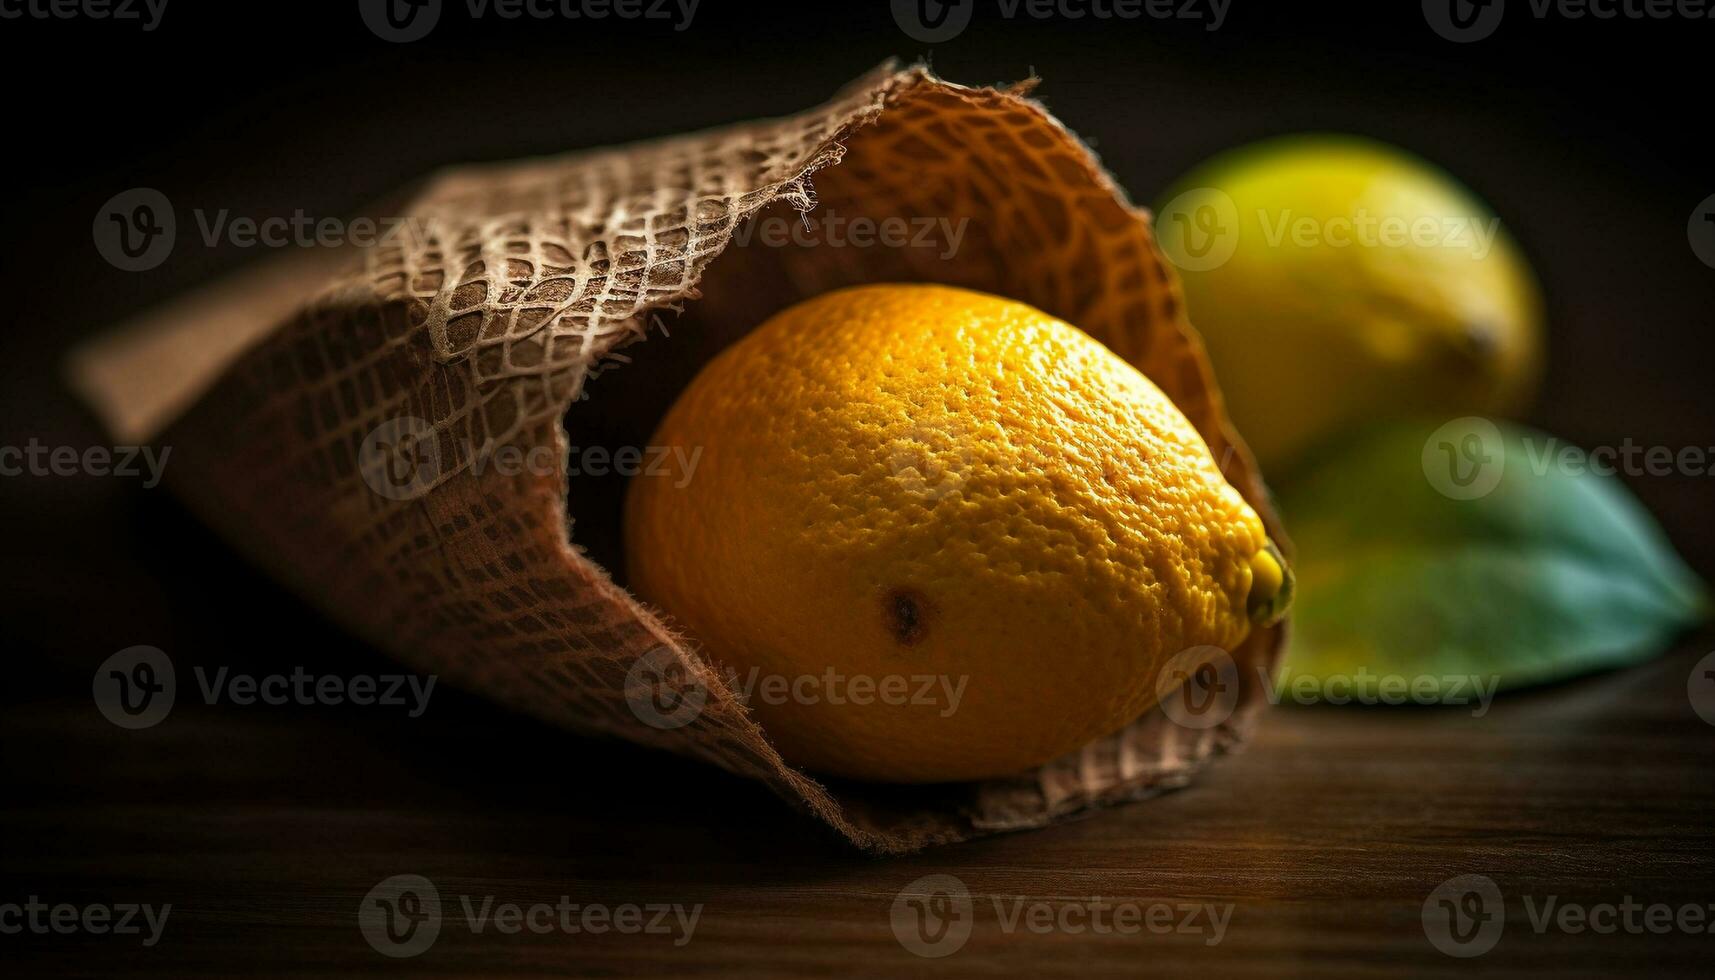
[(265, 828)]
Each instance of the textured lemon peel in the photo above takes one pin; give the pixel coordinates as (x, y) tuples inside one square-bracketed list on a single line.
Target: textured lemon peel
[(931, 442)]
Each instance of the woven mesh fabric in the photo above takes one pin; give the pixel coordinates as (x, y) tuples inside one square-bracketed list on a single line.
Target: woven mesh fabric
[(522, 284)]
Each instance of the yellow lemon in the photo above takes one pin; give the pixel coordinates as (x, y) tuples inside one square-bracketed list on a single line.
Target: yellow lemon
[(1339, 281), (938, 535)]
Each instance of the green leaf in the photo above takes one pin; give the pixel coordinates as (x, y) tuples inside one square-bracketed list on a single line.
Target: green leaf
[(1474, 550)]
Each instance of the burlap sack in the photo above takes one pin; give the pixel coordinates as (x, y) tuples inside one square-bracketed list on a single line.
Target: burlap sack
[(531, 277)]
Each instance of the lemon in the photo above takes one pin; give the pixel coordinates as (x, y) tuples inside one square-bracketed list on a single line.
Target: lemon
[(1338, 281), (938, 535)]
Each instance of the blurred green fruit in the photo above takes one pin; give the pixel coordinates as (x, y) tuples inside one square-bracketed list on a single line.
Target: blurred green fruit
[(1339, 281)]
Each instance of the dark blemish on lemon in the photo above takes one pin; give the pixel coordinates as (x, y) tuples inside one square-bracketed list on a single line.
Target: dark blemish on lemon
[(906, 614), (1482, 341)]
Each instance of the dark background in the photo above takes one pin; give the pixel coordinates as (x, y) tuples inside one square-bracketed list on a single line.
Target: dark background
[(1589, 137)]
